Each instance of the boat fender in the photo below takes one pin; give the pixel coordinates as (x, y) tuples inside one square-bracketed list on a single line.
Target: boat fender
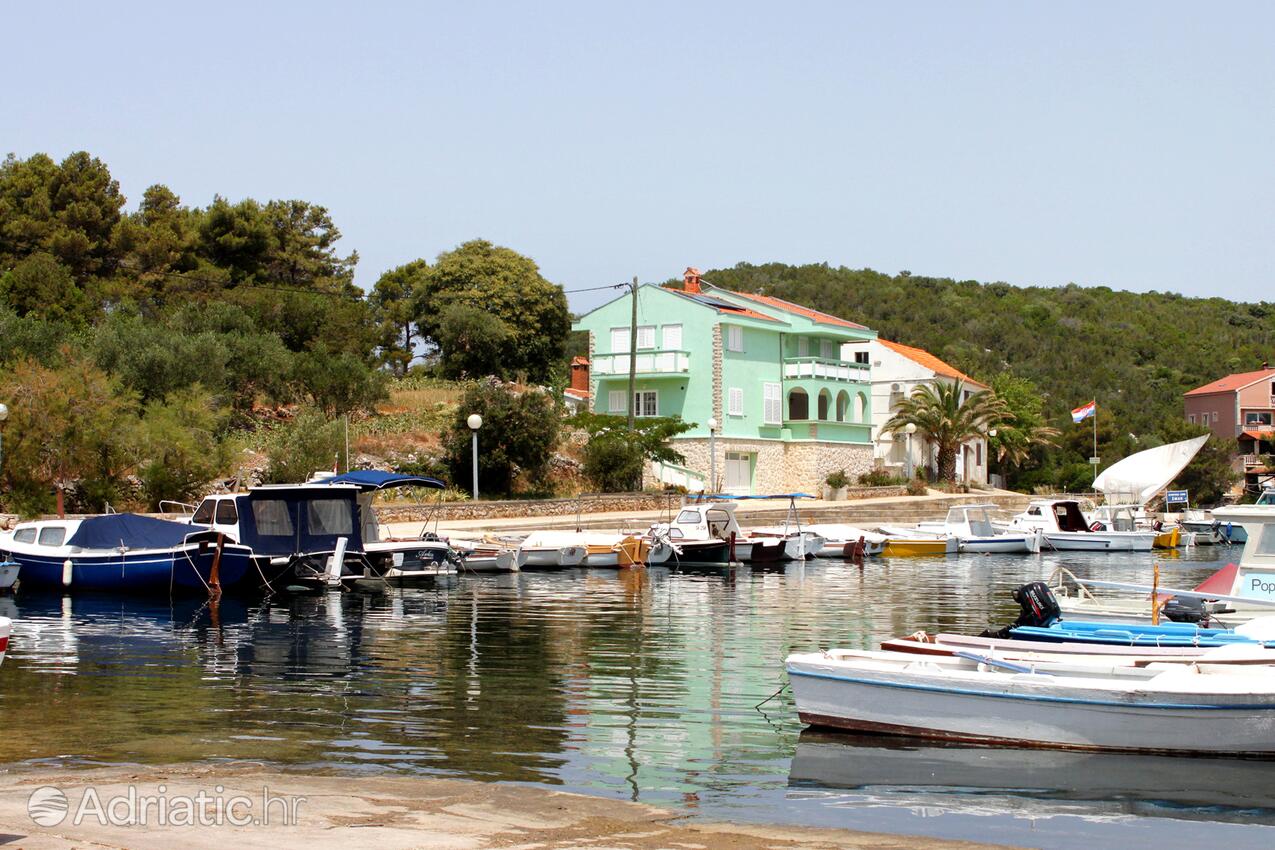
[(66, 572)]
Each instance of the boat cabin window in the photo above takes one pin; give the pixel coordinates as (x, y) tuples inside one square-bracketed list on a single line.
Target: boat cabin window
[(272, 518), (330, 516), (1069, 517), (718, 523), (52, 535), (688, 517), (1034, 510), (227, 513), (204, 513), (24, 535), (1266, 546)]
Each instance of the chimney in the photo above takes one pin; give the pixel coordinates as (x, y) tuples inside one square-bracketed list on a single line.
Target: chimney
[(690, 279), (580, 374)]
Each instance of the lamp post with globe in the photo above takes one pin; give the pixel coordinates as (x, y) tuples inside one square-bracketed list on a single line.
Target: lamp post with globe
[(475, 422)]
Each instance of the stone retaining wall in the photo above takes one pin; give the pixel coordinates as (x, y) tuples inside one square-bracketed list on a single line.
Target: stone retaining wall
[(609, 503)]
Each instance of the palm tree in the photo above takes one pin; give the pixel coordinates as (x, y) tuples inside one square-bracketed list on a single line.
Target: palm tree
[(946, 421)]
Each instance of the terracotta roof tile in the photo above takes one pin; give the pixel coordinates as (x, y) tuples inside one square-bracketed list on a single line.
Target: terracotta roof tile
[(1231, 383), (929, 361), (797, 309)]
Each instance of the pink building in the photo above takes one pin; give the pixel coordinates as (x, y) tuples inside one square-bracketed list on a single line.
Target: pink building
[(1239, 407)]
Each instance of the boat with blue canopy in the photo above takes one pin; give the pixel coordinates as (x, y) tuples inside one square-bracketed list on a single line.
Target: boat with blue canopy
[(126, 553)]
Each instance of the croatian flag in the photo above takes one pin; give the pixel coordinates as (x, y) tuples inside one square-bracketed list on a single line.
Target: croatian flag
[(1080, 414)]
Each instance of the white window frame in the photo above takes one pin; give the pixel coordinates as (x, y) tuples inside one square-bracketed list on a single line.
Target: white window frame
[(645, 337), (772, 404), (861, 357), (615, 401), (642, 396), (734, 338), (735, 401), (671, 338), (620, 340), (1190, 417)]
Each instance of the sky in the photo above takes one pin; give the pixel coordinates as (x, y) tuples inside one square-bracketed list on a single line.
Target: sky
[(1130, 144)]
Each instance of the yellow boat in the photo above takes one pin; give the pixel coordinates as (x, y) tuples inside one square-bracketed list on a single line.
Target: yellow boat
[(1168, 539), (897, 547)]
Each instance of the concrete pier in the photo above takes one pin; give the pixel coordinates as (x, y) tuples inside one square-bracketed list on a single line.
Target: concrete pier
[(389, 813)]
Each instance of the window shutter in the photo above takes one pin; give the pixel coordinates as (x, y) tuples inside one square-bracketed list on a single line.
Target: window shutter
[(619, 340), (672, 338), (734, 338), (646, 336), (772, 411), (803, 347), (615, 401), (736, 402)]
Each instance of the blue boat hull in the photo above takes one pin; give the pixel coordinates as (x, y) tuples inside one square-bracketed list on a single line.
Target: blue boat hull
[(185, 570)]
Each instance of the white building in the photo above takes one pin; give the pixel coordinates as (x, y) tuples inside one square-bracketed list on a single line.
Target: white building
[(896, 371)]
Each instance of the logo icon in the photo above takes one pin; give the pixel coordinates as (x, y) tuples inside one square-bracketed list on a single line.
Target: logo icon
[(47, 806)]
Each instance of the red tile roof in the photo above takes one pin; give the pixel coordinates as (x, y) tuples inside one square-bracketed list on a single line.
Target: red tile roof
[(797, 309), (733, 310), (929, 361), (1232, 383), (1264, 436)]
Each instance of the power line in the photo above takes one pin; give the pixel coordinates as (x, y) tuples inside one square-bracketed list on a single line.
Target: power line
[(595, 288)]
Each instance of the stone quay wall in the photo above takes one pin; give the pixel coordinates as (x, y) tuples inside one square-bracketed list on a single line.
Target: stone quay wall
[(594, 504)]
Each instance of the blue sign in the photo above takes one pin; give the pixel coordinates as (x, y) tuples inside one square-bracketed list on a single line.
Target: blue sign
[(1176, 497)]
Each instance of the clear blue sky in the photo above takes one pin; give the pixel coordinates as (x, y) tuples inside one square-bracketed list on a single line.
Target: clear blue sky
[(1125, 144)]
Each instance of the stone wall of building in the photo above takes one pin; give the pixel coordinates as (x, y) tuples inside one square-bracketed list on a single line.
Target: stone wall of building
[(780, 467)]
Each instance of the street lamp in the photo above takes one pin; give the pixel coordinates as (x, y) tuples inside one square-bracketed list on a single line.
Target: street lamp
[(991, 435), (4, 414), (712, 453), (475, 422), (909, 429)]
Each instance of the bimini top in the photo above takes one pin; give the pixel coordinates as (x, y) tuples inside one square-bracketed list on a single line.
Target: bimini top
[(375, 479), (132, 531)]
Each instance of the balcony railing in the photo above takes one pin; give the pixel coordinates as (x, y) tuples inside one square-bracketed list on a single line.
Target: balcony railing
[(818, 367), (648, 363)]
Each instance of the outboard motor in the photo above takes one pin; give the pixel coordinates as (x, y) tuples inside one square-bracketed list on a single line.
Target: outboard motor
[(1037, 606), (1187, 611)]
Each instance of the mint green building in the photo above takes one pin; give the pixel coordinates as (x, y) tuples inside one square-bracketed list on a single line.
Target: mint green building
[(790, 409)]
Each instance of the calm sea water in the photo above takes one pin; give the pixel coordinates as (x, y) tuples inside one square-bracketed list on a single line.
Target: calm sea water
[(637, 685)]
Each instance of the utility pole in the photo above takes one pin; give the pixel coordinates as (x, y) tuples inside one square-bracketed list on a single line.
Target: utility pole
[(633, 354)]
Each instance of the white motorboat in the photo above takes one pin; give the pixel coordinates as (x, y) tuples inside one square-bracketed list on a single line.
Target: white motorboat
[(1215, 709), (1065, 528), (6, 628), (550, 557), (841, 540), (972, 527), (480, 557), (602, 548), (1232, 596), (702, 534)]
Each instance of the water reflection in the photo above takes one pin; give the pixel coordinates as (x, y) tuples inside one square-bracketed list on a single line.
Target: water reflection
[(640, 685), (1030, 783)]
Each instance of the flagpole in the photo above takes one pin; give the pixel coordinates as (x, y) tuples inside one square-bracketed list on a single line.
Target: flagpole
[(1095, 437)]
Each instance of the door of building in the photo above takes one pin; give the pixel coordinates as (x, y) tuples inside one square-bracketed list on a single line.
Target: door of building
[(739, 473)]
